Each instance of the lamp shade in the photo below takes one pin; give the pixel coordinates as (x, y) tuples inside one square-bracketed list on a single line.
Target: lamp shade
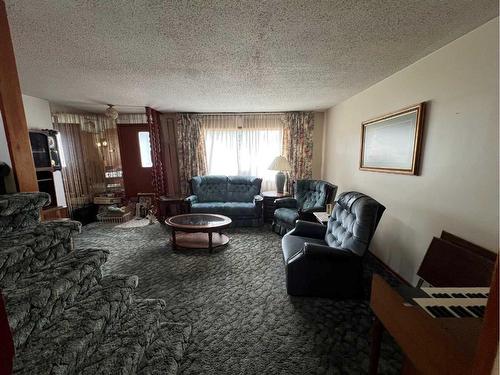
[(280, 164)]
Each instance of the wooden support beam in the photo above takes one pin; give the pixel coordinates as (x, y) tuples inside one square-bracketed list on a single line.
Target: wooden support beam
[(11, 106)]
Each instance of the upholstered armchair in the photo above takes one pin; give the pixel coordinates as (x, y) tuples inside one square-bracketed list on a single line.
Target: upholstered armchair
[(326, 261), (310, 196)]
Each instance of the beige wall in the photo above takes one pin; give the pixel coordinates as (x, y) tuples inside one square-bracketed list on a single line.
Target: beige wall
[(319, 119), (37, 112), (458, 187)]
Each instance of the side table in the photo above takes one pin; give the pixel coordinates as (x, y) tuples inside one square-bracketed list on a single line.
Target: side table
[(269, 206), (322, 217), (165, 204)]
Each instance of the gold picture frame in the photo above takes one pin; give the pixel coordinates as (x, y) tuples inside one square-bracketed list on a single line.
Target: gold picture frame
[(392, 143)]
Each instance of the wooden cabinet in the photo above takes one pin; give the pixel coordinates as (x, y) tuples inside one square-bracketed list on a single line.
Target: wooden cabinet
[(269, 206), (54, 213)]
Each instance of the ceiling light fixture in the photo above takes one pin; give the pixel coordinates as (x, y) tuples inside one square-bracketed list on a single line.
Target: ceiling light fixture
[(111, 112)]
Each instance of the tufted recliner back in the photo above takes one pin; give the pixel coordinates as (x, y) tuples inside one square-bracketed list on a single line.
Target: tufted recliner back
[(353, 222), (314, 193), (225, 188)]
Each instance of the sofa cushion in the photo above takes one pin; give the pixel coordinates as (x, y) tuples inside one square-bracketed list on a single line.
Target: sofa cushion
[(243, 188), (291, 244), (231, 209), (288, 215), (210, 188), (208, 208), (240, 209)]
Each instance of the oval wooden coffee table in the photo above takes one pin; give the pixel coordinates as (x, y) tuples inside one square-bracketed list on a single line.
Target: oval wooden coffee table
[(199, 231)]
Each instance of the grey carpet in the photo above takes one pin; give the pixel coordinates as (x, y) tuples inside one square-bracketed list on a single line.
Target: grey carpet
[(243, 321)]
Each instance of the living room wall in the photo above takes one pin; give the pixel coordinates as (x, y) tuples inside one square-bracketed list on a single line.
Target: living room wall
[(37, 112), (458, 186)]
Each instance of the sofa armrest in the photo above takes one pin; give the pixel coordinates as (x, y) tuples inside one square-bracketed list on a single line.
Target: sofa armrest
[(191, 199), (258, 200), (285, 203), (308, 229)]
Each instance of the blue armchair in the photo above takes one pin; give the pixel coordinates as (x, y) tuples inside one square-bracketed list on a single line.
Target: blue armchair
[(326, 261), (310, 196), (237, 197)]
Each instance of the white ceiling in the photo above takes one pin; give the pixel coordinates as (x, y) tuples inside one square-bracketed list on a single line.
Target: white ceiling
[(225, 55)]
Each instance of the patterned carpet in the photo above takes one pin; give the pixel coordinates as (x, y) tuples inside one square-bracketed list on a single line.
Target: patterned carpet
[(243, 321)]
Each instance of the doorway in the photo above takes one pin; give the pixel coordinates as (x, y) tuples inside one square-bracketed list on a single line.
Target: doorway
[(135, 151)]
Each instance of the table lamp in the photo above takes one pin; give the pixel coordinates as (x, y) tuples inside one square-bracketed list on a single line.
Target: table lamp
[(280, 164)]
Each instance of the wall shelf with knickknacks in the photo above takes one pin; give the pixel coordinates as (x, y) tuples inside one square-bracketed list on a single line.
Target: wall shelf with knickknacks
[(45, 145)]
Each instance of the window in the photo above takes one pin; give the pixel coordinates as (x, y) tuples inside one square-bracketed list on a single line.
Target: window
[(145, 150), (243, 145)]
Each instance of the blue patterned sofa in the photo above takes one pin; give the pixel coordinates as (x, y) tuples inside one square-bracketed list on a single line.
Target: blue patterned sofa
[(234, 196)]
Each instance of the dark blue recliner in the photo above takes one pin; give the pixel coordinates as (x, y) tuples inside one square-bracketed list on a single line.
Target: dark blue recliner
[(237, 197), (326, 261), (310, 196)]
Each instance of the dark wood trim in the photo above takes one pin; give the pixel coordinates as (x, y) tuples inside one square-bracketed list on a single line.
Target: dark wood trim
[(433, 346), (481, 251), (417, 146), (487, 346), (11, 106), (7, 350), (447, 264), (375, 345)]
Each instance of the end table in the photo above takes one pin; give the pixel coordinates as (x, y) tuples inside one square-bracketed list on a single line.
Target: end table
[(269, 206), (322, 217), (165, 204)]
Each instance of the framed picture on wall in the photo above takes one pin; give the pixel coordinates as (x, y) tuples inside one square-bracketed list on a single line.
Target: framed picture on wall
[(392, 143)]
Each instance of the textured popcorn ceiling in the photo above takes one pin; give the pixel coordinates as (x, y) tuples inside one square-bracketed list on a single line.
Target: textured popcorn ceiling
[(226, 55)]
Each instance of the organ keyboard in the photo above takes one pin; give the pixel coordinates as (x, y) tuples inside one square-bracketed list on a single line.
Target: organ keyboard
[(454, 302), (457, 292)]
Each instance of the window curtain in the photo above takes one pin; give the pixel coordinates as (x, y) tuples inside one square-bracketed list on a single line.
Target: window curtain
[(191, 149), (243, 144), (92, 156), (82, 170), (298, 144)]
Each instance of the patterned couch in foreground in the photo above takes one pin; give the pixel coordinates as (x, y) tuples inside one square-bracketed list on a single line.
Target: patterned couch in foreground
[(234, 196), (65, 315)]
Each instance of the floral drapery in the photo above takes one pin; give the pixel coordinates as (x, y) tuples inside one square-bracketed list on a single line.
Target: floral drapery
[(298, 144), (191, 149)]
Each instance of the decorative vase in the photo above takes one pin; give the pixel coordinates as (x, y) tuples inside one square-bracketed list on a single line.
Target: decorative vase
[(280, 182)]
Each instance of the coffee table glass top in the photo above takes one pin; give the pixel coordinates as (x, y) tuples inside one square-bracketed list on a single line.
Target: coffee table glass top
[(199, 221)]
